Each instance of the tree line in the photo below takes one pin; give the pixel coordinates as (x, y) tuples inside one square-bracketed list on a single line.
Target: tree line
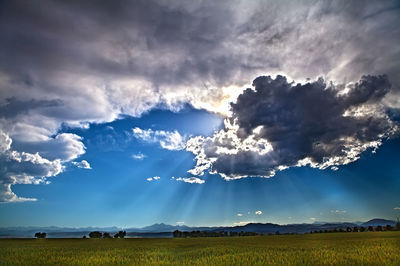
[(98, 234), (184, 234), (93, 234), (370, 228), (378, 228)]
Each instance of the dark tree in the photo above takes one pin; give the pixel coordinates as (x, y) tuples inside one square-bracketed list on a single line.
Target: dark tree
[(177, 233), (95, 234), (40, 235), (389, 227), (362, 228), (348, 229), (106, 235), (378, 228), (120, 234), (355, 229), (232, 233), (370, 228)]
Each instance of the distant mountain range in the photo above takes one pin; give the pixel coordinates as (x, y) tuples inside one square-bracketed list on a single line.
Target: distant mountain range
[(165, 230)]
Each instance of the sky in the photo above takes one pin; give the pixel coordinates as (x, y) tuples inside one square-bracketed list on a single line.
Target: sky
[(129, 113)]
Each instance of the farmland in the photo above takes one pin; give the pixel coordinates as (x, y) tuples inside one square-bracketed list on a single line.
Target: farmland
[(333, 248)]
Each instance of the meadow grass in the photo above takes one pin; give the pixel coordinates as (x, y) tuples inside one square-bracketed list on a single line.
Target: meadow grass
[(368, 248)]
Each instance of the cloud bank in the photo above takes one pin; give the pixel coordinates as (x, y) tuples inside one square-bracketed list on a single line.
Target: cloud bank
[(71, 63)]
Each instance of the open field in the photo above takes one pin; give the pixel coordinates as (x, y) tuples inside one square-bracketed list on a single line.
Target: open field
[(373, 248)]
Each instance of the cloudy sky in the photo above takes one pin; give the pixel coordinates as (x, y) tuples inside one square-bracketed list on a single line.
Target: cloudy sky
[(129, 113)]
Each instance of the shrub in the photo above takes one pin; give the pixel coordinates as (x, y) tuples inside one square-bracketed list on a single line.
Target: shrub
[(40, 235), (95, 234)]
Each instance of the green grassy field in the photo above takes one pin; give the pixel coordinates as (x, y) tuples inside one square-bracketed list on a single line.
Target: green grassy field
[(372, 248)]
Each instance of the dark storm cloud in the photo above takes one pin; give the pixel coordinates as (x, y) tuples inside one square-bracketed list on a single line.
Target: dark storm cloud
[(313, 123), (92, 36)]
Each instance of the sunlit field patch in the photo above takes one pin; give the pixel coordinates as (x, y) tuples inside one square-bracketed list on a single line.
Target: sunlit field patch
[(373, 248)]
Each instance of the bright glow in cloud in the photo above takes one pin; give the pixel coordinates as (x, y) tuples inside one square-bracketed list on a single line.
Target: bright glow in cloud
[(240, 214), (258, 212)]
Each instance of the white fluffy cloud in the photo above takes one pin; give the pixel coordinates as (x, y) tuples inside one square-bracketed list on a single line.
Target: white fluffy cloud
[(258, 212), (191, 180), (170, 140), (242, 223), (338, 211), (138, 156), (155, 178), (82, 164), (5, 142), (64, 146), (22, 168)]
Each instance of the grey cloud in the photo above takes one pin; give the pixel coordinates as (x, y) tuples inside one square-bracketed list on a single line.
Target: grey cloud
[(64, 146), (141, 38), (127, 57), (298, 124), (14, 107)]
